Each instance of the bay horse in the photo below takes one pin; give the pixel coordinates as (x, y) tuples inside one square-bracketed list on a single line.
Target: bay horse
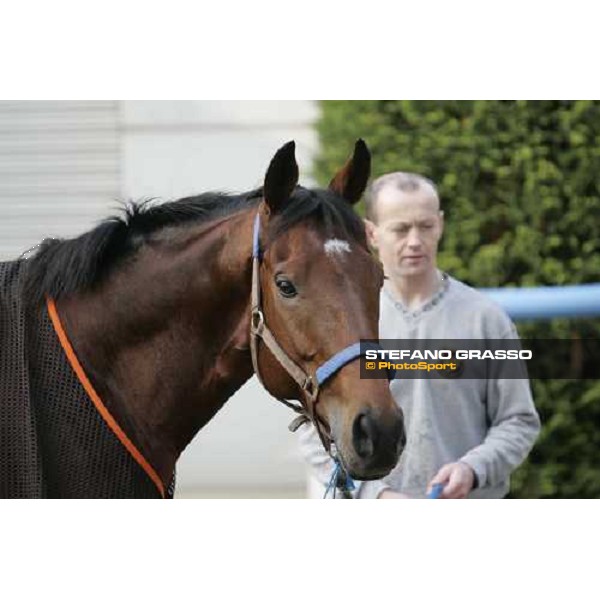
[(165, 311)]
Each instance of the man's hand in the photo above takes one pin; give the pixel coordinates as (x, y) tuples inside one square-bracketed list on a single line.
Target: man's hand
[(457, 478), (388, 494)]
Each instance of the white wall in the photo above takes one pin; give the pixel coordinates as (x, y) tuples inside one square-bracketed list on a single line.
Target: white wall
[(59, 170)]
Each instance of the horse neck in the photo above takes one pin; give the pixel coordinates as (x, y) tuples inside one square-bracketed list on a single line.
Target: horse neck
[(166, 341)]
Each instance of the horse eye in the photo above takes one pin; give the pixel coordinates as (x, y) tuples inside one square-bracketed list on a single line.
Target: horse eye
[(286, 288)]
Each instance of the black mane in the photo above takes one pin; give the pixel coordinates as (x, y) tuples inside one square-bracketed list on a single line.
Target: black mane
[(59, 267)]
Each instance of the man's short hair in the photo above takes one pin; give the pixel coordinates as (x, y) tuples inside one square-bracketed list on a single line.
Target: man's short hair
[(405, 182)]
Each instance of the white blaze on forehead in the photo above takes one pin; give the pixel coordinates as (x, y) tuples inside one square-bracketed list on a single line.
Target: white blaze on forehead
[(335, 246)]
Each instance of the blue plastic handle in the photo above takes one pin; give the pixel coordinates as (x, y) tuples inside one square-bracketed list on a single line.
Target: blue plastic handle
[(436, 491)]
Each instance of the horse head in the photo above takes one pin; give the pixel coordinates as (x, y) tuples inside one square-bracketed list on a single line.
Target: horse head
[(316, 295)]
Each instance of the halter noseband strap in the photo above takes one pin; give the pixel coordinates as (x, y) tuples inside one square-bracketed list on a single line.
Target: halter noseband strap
[(308, 384)]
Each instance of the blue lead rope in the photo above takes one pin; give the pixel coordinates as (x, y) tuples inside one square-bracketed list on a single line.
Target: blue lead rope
[(349, 486), (346, 486)]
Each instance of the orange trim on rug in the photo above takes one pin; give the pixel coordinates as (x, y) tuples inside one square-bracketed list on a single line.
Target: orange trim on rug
[(95, 398)]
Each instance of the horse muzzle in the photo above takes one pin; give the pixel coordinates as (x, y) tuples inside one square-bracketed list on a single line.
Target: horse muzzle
[(375, 445)]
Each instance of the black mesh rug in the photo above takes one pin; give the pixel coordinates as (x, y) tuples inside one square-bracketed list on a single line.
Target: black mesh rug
[(53, 441)]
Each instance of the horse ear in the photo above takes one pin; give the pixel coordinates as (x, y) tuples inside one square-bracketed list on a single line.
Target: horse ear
[(281, 177), (351, 180)]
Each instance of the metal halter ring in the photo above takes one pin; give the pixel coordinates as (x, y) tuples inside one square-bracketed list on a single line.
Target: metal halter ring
[(310, 387)]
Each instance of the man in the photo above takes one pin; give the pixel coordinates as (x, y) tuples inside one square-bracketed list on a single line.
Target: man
[(466, 434)]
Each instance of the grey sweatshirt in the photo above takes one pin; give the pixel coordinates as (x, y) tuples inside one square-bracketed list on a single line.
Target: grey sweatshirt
[(489, 424)]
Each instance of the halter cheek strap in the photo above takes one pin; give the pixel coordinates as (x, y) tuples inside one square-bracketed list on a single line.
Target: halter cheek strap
[(309, 385)]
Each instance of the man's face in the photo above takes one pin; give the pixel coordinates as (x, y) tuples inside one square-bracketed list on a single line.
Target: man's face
[(407, 231)]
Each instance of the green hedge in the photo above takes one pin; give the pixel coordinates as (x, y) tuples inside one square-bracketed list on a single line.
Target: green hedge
[(520, 190)]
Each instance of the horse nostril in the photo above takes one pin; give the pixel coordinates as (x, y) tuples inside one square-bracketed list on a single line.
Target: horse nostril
[(362, 436)]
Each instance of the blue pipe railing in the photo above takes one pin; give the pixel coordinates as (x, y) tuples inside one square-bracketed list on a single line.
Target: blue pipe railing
[(548, 302)]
